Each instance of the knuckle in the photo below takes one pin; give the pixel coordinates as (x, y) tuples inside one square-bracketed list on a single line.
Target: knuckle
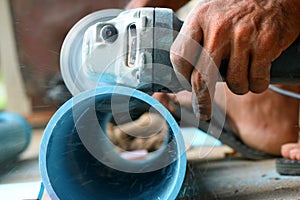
[(177, 61), (267, 41), (220, 26), (216, 40), (271, 36), (243, 32)]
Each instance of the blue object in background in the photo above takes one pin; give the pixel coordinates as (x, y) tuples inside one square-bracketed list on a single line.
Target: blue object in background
[(15, 136)]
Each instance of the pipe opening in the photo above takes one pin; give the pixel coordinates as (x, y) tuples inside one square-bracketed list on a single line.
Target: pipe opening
[(82, 162)]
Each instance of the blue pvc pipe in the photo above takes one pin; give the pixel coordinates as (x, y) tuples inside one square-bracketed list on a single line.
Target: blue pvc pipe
[(15, 136), (77, 161)]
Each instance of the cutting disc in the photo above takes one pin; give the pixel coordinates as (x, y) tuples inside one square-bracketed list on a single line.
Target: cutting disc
[(71, 53)]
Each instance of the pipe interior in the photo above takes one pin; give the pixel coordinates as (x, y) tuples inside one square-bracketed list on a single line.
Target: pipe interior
[(76, 174)]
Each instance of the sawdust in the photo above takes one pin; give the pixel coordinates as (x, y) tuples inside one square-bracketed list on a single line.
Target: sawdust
[(146, 133)]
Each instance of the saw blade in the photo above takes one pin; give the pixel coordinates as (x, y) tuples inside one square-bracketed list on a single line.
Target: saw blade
[(71, 52)]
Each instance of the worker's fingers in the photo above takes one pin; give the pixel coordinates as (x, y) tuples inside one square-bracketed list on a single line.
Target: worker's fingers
[(201, 99), (186, 50), (168, 100), (237, 72), (263, 53), (204, 78), (206, 72), (259, 75), (200, 65)]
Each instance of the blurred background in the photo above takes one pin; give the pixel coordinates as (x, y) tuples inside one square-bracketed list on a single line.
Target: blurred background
[(38, 28), (31, 90)]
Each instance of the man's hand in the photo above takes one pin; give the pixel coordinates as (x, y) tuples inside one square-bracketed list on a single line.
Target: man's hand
[(250, 33)]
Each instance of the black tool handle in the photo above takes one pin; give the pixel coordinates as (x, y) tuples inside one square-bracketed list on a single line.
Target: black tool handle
[(285, 69)]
